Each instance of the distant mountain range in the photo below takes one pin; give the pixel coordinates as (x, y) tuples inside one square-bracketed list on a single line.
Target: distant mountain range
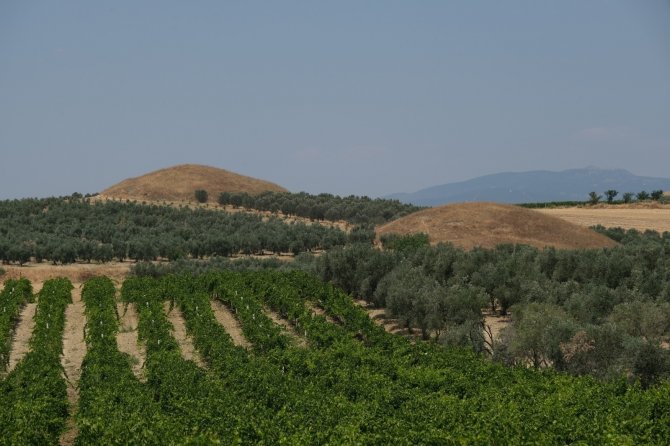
[(535, 186)]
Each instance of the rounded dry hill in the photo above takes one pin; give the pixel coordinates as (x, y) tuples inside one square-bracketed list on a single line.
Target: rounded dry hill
[(489, 224), (179, 183)]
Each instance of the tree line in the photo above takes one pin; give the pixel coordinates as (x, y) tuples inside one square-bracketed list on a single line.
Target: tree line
[(354, 209), (68, 230), (626, 197)]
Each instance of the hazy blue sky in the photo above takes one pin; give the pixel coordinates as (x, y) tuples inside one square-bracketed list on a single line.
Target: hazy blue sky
[(364, 97)]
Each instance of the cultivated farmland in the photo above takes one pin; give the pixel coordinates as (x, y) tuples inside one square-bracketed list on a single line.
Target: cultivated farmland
[(337, 379)]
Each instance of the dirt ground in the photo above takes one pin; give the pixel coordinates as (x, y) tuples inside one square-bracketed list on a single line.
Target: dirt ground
[(127, 339), (74, 350), (24, 330), (638, 217), (496, 323), (315, 309), (185, 342), (288, 328), (227, 319), (379, 316), (78, 273)]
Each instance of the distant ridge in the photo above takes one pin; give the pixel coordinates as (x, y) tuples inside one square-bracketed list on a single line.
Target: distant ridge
[(534, 186), (179, 183), (489, 224)]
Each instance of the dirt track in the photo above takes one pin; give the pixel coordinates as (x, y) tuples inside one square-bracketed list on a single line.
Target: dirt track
[(74, 350), (21, 338), (287, 327), (185, 342), (127, 339), (226, 318)]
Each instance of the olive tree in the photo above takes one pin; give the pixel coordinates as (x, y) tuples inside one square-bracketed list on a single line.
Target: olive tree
[(610, 194), (594, 198), (201, 195)]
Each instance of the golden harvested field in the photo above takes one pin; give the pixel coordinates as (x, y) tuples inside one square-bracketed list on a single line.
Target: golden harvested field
[(641, 218)]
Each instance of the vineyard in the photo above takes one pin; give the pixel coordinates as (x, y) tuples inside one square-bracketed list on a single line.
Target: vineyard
[(334, 378)]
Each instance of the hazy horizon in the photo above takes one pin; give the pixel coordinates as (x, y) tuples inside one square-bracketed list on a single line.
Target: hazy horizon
[(348, 98)]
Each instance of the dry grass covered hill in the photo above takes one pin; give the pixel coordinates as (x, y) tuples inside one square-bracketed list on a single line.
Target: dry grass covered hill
[(489, 224), (179, 183)]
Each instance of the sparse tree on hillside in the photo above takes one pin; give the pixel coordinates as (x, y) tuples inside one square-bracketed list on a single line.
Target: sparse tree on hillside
[(628, 197), (201, 195), (594, 198), (224, 198), (656, 195), (610, 194), (643, 195)]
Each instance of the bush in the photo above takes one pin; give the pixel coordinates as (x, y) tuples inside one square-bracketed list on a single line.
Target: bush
[(405, 243), (201, 195)]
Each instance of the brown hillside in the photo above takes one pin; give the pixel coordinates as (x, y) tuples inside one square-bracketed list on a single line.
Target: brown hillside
[(490, 224), (179, 183)]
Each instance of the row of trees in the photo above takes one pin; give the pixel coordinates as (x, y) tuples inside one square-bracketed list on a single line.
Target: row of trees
[(354, 209), (627, 197), (65, 231), (601, 312)]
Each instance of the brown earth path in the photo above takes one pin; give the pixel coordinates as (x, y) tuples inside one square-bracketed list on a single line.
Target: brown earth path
[(318, 311), (185, 342), (378, 315), (74, 350), (21, 336), (495, 324), (287, 327), (127, 338), (227, 319)]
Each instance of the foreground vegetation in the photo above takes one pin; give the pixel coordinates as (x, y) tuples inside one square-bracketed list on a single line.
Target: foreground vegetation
[(33, 397), (594, 324), (352, 383), (603, 312)]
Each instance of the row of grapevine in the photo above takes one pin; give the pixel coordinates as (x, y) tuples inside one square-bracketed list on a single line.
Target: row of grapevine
[(354, 384), (286, 409), (424, 393), (183, 390), (114, 407), (13, 296), (33, 397), (209, 407)]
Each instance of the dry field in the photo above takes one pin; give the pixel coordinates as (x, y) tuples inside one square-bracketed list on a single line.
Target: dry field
[(641, 217), (489, 224), (78, 273)]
